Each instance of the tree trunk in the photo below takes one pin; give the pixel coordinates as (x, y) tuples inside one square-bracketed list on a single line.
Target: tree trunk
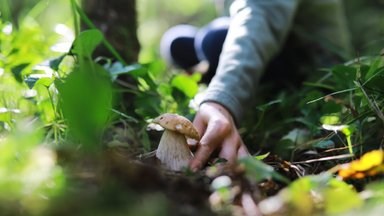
[(117, 20)]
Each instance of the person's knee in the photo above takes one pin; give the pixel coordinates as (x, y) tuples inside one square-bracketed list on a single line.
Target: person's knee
[(185, 46), (209, 40), (177, 46)]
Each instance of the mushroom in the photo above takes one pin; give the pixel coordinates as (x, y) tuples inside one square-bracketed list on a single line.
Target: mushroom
[(173, 150)]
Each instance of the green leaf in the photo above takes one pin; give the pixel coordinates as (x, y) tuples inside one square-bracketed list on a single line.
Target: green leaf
[(373, 68), (376, 80), (17, 71), (297, 136), (86, 101), (32, 81), (55, 63), (259, 171), (262, 157), (339, 197), (86, 42), (185, 84), (324, 144), (330, 119), (344, 75), (45, 81), (376, 189), (118, 68)]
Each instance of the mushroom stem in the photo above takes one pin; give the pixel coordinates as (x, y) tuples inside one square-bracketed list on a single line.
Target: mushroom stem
[(173, 150)]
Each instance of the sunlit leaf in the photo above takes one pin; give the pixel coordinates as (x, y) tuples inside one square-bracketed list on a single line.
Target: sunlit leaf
[(45, 81), (263, 156), (369, 164), (330, 119), (86, 42), (31, 81), (185, 84)]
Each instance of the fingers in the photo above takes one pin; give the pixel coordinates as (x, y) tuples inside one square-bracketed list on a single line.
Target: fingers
[(216, 126), (229, 151), (200, 123), (213, 136), (243, 151)]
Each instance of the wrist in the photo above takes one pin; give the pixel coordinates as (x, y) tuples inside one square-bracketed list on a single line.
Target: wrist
[(218, 107)]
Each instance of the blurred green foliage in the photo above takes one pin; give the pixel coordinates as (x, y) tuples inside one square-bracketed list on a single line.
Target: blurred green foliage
[(366, 24), (54, 95), (155, 17), (29, 174)]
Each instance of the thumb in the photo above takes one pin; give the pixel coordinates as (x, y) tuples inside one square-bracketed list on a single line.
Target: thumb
[(207, 145), (200, 124)]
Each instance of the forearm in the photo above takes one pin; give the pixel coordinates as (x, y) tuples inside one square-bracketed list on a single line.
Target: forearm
[(256, 33)]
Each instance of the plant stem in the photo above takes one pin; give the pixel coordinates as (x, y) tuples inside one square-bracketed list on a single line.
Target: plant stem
[(75, 19), (51, 99), (106, 43)]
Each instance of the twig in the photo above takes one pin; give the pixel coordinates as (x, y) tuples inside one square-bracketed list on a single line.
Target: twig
[(334, 93), (325, 159), (340, 149)]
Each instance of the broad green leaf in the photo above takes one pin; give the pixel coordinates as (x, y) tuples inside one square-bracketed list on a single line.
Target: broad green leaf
[(259, 171), (86, 42), (344, 75), (185, 84), (86, 101)]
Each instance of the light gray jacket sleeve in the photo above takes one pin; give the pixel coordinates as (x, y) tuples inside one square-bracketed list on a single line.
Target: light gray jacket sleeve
[(256, 33)]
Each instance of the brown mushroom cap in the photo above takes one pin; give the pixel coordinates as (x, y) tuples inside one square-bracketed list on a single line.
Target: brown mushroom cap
[(177, 123)]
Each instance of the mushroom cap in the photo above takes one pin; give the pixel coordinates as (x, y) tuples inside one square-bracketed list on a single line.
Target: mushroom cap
[(177, 123)]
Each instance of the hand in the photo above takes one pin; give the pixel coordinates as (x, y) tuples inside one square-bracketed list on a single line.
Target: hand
[(219, 132)]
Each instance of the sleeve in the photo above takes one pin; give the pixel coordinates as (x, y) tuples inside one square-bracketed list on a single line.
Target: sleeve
[(255, 35)]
